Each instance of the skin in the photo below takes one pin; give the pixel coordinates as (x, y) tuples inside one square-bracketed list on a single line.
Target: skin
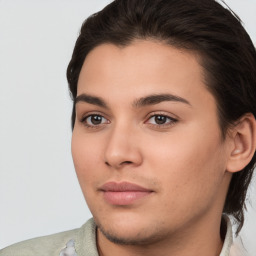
[(183, 162)]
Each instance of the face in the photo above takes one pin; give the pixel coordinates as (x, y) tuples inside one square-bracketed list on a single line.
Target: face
[(146, 144)]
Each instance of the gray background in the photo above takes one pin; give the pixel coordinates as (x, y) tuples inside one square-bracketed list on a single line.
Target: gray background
[(39, 192)]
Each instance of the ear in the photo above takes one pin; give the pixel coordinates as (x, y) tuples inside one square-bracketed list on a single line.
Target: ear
[(243, 143)]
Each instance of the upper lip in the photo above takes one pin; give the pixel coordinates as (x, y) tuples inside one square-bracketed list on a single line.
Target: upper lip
[(123, 187)]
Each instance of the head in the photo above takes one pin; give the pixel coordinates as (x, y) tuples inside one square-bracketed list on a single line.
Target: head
[(204, 30)]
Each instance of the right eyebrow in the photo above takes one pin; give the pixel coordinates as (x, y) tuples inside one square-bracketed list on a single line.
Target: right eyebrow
[(91, 100), (158, 98)]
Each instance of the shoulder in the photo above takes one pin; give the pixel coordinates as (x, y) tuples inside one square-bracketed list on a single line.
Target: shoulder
[(53, 244), (47, 245)]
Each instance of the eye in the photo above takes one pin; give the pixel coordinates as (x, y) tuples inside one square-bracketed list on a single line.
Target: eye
[(94, 120), (161, 120)]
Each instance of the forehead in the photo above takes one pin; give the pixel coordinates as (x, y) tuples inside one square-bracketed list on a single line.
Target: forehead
[(139, 57), (143, 67)]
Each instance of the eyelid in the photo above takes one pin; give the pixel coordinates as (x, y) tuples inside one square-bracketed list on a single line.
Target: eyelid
[(93, 113), (172, 119), (86, 114), (162, 113)]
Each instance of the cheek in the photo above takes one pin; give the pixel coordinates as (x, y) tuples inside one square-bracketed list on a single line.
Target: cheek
[(86, 158), (189, 167)]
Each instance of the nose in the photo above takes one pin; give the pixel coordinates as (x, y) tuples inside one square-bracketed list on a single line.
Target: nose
[(122, 148)]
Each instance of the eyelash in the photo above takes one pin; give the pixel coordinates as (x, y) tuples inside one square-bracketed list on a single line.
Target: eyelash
[(171, 121), (93, 126)]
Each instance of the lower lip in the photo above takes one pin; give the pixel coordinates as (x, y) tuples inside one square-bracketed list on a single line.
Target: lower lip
[(124, 197)]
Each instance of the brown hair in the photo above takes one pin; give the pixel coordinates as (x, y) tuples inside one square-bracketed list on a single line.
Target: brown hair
[(203, 26)]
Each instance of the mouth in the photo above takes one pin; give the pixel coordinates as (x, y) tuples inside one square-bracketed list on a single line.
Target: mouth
[(123, 193)]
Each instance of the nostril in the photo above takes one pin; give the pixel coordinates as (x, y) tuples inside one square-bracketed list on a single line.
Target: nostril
[(107, 163), (126, 162), (120, 164)]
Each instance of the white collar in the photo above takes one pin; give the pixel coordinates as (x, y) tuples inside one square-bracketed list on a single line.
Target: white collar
[(228, 239)]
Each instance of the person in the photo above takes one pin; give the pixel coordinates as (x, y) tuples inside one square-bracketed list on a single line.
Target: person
[(164, 130)]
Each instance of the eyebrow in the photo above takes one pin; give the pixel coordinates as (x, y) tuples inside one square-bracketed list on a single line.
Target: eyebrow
[(91, 100), (141, 102), (158, 98)]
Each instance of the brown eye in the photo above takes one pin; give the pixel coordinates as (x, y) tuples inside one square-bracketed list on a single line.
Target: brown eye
[(94, 120), (160, 119)]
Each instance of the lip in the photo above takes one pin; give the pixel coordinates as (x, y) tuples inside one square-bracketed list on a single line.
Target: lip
[(123, 193)]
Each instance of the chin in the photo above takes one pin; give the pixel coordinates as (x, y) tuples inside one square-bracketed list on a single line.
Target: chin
[(130, 232), (125, 237)]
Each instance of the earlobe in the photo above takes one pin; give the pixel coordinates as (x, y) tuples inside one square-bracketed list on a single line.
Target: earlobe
[(243, 145)]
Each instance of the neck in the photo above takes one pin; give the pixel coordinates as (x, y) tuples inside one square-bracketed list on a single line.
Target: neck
[(199, 238)]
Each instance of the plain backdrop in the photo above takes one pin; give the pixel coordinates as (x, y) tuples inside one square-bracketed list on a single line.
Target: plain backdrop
[(39, 192)]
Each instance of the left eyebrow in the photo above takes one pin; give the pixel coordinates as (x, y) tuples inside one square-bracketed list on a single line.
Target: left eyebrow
[(158, 98), (91, 100)]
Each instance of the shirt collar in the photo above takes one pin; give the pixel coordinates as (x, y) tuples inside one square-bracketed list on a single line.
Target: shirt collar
[(228, 238)]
